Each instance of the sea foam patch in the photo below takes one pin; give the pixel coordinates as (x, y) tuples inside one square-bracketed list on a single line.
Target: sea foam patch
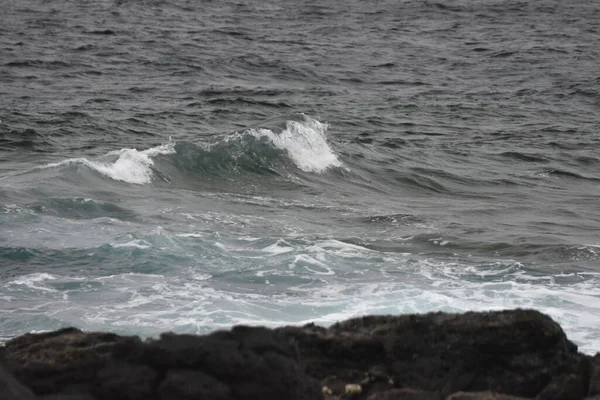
[(321, 281)]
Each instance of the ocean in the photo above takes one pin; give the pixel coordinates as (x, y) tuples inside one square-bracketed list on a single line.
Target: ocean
[(186, 166)]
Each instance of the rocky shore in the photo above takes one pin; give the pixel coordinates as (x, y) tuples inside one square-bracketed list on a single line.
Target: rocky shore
[(516, 354)]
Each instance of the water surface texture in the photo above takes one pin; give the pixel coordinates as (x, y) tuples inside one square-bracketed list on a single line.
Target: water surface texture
[(190, 165)]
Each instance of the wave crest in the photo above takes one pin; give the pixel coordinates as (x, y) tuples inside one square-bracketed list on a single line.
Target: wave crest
[(305, 143), (302, 141), (131, 165)]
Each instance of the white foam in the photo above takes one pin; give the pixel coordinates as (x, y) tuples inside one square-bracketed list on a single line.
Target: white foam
[(341, 248), (306, 144), (307, 262), (131, 277), (316, 281), (137, 244), (149, 304), (14, 209), (190, 235), (279, 247), (131, 166), (34, 281)]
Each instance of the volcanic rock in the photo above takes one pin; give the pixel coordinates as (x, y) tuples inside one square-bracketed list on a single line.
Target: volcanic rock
[(504, 355)]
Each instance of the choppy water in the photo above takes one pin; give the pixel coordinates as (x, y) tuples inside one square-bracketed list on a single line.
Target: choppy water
[(187, 165)]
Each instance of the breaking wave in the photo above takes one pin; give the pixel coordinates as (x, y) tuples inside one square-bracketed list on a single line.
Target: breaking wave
[(258, 150), (305, 143), (131, 165)]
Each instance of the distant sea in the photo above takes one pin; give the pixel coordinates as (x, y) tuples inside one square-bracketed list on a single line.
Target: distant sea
[(183, 165)]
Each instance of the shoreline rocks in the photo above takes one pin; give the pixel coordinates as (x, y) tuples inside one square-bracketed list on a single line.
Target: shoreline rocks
[(503, 355)]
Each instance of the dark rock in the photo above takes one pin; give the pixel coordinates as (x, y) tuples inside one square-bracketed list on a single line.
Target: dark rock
[(432, 356), (244, 363), (74, 396), (594, 386), (377, 380), (482, 396), (125, 382), (405, 394), (334, 386), (71, 392), (564, 387), (513, 352), (11, 389), (345, 354), (50, 362), (188, 384), (254, 362)]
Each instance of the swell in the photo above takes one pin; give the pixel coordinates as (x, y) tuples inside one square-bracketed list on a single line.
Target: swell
[(298, 144), (450, 246), (81, 208), (297, 148), (107, 257), (241, 154), (27, 139)]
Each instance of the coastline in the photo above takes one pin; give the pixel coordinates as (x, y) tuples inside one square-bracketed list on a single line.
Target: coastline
[(511, 354)]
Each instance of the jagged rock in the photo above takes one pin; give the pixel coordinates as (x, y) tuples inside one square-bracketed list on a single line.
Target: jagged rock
[(594, 386), (513, 352), (251, 363), (50, 362), (432, 356)]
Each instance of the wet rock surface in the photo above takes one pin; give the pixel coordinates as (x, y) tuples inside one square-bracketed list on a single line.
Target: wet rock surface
[(516, 354)]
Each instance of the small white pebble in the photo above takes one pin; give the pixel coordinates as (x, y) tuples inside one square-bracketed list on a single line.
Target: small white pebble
[(326, 390), (353, 388)]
